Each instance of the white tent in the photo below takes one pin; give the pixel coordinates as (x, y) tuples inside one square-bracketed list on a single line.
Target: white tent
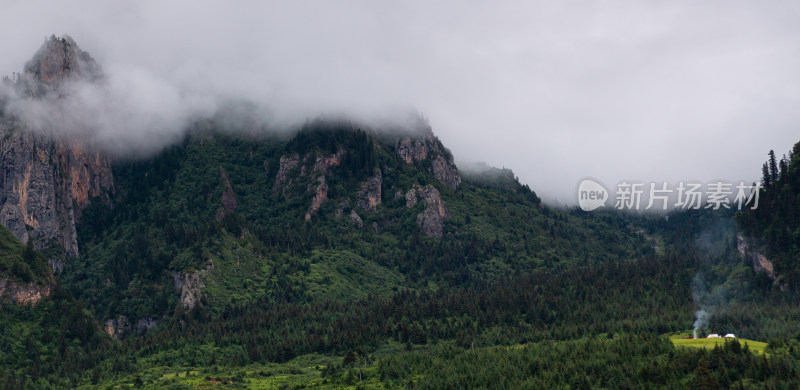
[(730, 336), (712, 336)]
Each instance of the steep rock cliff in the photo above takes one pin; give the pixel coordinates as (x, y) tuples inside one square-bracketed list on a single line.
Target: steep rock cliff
[(44, 186), (428, 147), (45, 182)]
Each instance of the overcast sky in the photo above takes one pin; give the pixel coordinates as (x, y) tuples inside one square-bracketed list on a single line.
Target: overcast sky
[(556, 91)]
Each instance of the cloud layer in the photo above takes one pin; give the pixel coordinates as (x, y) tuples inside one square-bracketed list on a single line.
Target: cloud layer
[(556, 91)]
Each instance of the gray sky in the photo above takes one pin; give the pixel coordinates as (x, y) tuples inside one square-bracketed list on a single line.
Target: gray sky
[(556, 90)]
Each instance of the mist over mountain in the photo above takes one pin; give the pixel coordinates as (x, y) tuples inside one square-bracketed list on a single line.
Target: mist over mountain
[(674, 87), (241, 196)]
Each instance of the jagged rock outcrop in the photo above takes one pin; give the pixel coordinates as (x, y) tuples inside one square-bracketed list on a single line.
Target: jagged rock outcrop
[(411, 198), (25, 294), (317, 171), (57, 61), (285, 167), (60, 59), (120, 327), (228, 198), (431, 219), (444, 169), (44, 186), (321, 168), (117, 327), (369, 196), (320, 196), (760, 262), (356, 220), (323, 164), (442, 166), (191, 286)]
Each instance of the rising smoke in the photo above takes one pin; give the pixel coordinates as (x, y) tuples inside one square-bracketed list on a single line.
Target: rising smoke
[(709, 301), (709, 292)]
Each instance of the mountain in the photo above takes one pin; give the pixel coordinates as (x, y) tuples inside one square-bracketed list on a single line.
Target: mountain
[(46, 181), (771, 231), (343, 254)]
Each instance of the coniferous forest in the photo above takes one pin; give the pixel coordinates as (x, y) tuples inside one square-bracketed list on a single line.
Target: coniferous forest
[(231, 249), (513, 294)]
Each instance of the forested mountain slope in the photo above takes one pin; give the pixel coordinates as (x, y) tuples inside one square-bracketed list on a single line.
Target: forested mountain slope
[(343, 254), (773, 228), (331, 213)]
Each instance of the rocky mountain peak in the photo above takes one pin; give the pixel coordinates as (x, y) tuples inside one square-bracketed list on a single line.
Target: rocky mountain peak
[(46, 183), (61, 59)]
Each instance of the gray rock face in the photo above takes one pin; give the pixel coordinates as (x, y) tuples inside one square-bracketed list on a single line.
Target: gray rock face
[(411, 198), (286, 165), (369, 197), (44, 186), (444, 170), (191, 286), (58, 60), (356, 220), (442, 166), (431, 219)]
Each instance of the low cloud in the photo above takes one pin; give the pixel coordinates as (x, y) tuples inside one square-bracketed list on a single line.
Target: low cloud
[(128, 112), (556, 91)]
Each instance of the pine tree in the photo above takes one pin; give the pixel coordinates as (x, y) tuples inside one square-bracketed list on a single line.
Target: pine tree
[(773, 166)]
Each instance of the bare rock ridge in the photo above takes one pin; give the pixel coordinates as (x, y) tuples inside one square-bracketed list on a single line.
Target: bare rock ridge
[(427, 147), (45, 184)]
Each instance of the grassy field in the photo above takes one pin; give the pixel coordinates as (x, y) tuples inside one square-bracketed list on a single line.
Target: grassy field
[(678, 340)]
